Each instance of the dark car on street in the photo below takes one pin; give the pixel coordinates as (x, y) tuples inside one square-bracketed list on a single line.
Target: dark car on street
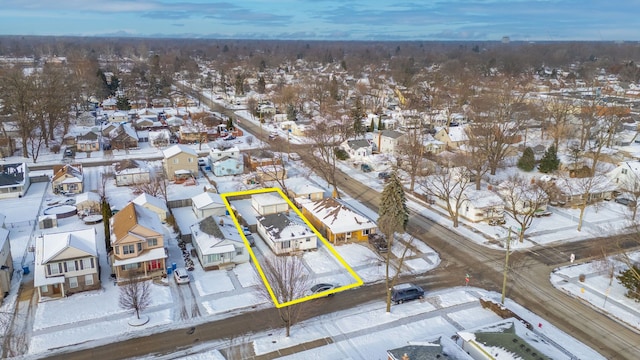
[(406, 292)]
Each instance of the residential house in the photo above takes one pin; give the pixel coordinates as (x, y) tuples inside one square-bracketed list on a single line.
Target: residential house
[(155, 204), (137, 243), (626, 175), (573, 191), (88, 203), (218, 243), (180, 162), (339, 222), (226, 161), (110, 104), (86, 119), (271, 173), (14, 180), (269, 203), (508, 337), (118, 117), (208, 204), (132, 172), (478, 205), (523, 198), (67, 179), (285, 233), (89, 141), (6, 260), (122, 137), (146, 122), (160, 138), (265, 158), (431, 145), (387, 141), (421, 351), (358, 150), (192, 134), (453, 137), (66, 263), (108, 128)]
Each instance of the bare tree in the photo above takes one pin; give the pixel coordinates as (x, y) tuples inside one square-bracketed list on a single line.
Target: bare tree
[(287, 280), (325, 137), (135, 295), (18, 92), (448, 185), (411, 152), (36, 140), (556, 117), (496, 126), (522, 198)]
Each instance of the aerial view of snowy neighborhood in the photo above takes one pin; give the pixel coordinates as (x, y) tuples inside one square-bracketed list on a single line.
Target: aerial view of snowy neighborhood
[(255, 200)]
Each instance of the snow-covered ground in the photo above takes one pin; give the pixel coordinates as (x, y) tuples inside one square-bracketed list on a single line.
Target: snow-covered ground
[(356, 332)]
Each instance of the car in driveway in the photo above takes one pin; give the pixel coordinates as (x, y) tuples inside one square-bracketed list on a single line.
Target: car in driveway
[(406, 292), (181, 276), (624, 201), (322, 287), (378, 242)]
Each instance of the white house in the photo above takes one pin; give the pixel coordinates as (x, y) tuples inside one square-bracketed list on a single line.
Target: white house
[(118, 117), (358, 150), (480, 205), (208, 204), (269, 203), (299, 187), (6, 260), (66, 263), (218, 242), (132, 172), (626, 175), (285, 233), (387, 141)]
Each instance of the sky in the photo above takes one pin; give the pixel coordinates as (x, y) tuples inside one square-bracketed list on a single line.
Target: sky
[(521, 20)]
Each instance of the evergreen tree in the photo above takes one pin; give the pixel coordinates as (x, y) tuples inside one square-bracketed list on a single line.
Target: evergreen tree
[(262, 85), (381, 125), (357, 114), (106, 215), (630, 279), (393, 217), (550, 161), (527, 161), (372, 127), (122, 103)]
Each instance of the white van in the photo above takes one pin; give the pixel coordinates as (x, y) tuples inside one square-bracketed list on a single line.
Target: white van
[(181, 276)]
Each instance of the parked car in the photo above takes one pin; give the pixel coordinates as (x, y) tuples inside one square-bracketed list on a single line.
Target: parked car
[(366, 168), (541, 213), (384, 175), (406, 292), (68, 153), (322, 287), (202, 162), (625, 201), (181, 276), (378, 242)]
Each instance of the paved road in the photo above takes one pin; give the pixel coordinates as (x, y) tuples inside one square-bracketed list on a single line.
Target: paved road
[(528, 285)]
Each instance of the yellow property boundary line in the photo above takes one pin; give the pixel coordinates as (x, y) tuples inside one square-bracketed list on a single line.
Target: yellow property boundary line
[(333, 251)]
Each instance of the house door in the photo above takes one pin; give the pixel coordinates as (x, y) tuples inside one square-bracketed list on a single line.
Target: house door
[(56, 288)]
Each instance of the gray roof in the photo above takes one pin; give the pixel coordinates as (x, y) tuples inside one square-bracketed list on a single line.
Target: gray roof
[(357, 144)]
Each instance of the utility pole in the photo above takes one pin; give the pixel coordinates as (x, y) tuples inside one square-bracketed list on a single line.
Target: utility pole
[(506, 267)]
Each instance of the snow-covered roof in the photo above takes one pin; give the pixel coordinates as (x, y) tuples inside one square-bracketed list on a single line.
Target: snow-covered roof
[(216, 235), (301, 186), (337, 216), (207, 200), (152, 254), (145, 198), (267, 199), (482, 199), (87, 196), (283, 227), (176, 149), (54, 244)]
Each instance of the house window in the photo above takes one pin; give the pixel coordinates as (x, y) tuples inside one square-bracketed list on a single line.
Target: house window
[(190, 160), (152, 242), (308, 239), (239, 251), (624, 171), (44, 288), (128, 249), (71, 266), (86, 264), (175, 161), (139, 247), (285, 244), (54, 269), (73, 282), (348, 235), (366, 231), (117, 250), (130, 266), (88, 279)]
